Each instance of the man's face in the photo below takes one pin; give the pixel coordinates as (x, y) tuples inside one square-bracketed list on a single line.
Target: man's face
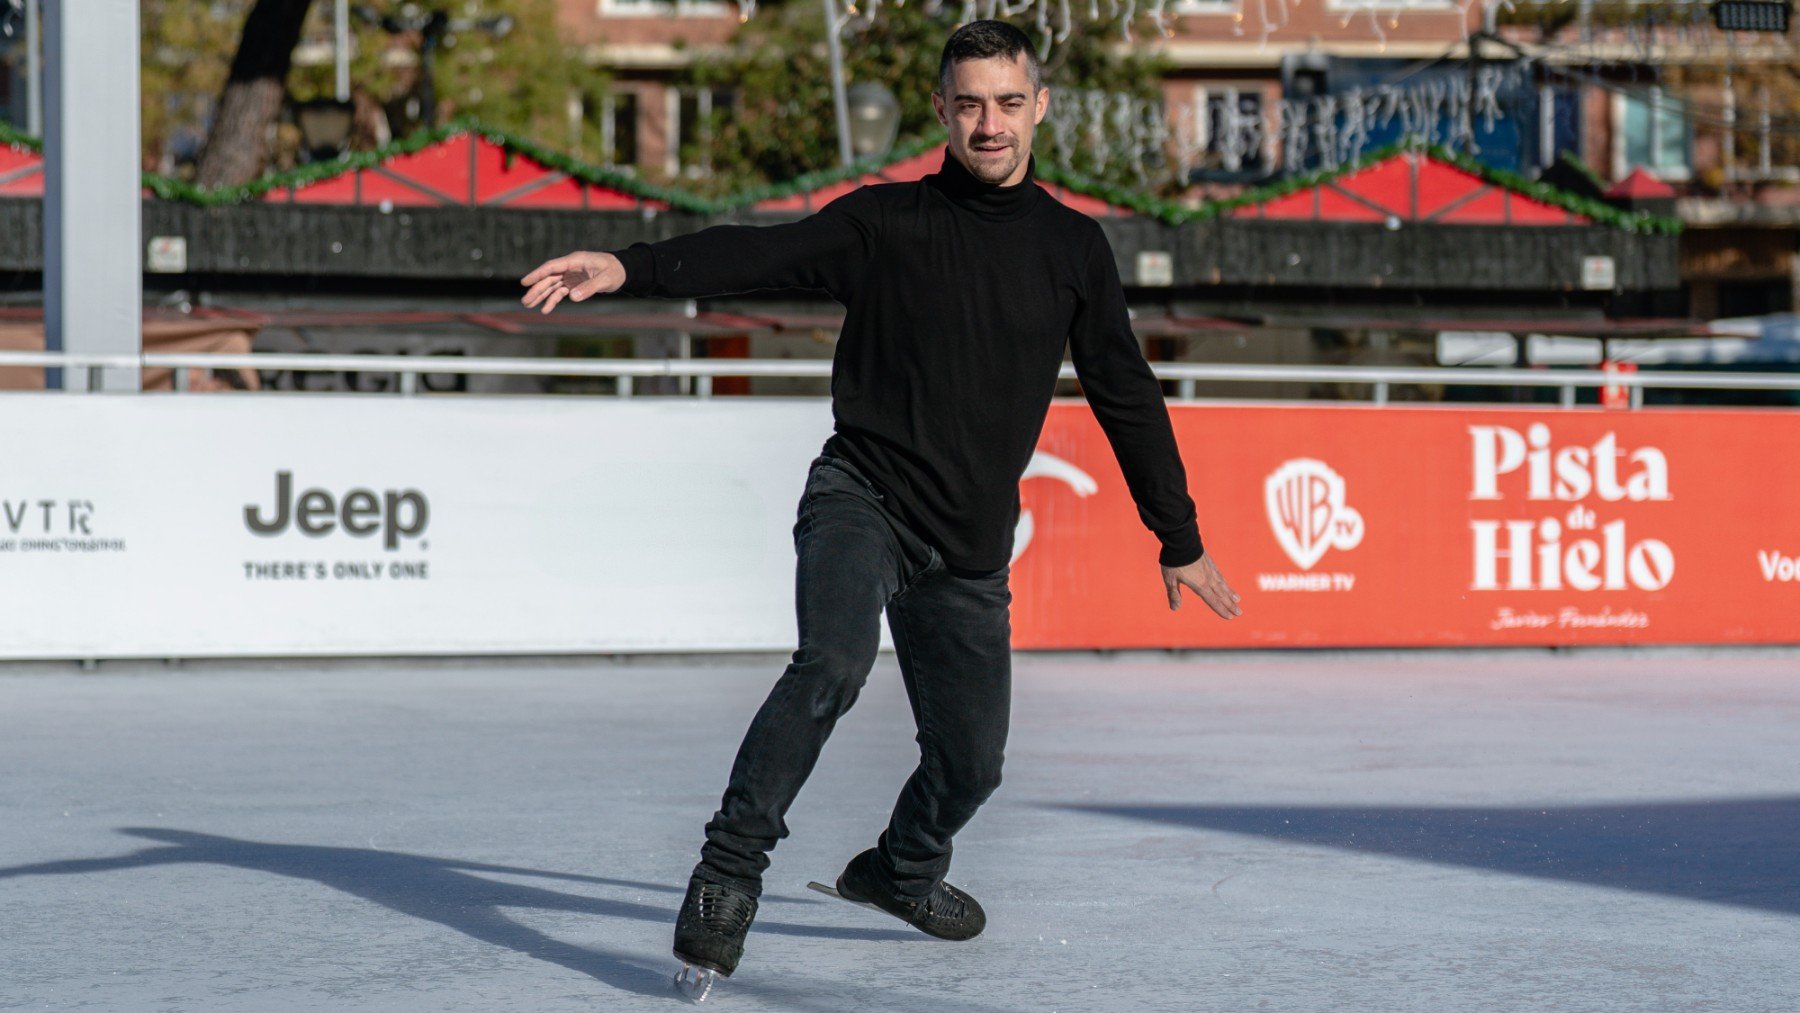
[(991, 111)]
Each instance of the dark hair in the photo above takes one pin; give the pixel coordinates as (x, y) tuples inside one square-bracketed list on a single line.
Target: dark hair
[(981, 40)]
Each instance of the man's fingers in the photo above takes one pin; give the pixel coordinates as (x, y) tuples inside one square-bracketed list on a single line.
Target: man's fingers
[(547, 269), (1225, 609), (1173, 587), (556, 296), (1218, 604), (1218, 597), (542, 289)]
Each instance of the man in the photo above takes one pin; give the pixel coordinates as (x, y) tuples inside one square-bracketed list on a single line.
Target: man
[(961, 292)]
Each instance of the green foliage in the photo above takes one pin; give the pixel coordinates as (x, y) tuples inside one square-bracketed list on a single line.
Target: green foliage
[(185, 51), (13, 137), (522, 83), (783, 125)]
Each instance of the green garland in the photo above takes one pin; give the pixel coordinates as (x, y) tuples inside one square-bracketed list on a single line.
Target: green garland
[(14, 137), (825, 177), (1149, 205)]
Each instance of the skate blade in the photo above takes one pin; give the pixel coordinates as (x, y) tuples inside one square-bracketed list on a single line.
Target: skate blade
[(831, 891), (695, 982)]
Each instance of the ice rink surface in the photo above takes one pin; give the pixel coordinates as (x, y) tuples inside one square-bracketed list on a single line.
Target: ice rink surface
[(1379, 831)]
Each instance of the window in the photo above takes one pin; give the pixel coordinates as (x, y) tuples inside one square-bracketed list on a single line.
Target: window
[(1653, 132), (661, 8), (691, 129), (1389, 6), (1237, 130), (1220, 134), (1179, 7), (618, 128)]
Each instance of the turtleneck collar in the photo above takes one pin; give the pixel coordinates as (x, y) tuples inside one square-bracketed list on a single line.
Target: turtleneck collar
[(990, 200)]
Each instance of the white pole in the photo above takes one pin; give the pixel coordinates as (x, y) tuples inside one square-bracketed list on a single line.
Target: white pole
[(838, 98), (93, 214), (341, 23)]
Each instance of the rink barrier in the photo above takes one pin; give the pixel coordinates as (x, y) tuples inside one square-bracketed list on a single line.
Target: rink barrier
[(239, 524), (85, 371)]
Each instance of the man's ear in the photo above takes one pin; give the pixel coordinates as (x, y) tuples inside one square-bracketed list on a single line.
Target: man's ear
[(937, 106), (1043, 104)]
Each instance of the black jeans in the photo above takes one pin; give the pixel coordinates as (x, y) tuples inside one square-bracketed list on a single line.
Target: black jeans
[(952, 636)]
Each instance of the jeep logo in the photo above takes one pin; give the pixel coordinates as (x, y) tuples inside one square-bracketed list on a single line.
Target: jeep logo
[(396, 514)]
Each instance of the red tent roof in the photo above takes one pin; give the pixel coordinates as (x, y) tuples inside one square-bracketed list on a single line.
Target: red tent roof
[(464, 169), (1411, 186), (21, 172), (916, 167), (1640, 185)]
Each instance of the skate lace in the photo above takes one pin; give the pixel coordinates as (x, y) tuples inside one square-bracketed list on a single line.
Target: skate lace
[(943, 903), (723, 909)]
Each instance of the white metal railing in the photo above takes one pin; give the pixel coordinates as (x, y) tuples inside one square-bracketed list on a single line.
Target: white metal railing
[(86, 371)]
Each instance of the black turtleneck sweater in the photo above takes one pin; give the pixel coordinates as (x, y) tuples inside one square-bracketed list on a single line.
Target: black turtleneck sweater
[(960, 297)]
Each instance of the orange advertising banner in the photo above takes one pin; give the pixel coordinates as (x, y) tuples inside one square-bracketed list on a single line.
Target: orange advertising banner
[(1427, 526)]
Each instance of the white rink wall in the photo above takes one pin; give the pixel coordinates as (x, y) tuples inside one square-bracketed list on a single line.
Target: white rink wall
[(128, 524)]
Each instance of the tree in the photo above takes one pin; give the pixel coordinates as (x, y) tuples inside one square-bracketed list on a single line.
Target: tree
[(186, 50), (237, 145), (530, 81), (782, 124)]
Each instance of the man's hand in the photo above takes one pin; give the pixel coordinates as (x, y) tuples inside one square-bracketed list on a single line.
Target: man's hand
[(576, 276), (1204, 579)]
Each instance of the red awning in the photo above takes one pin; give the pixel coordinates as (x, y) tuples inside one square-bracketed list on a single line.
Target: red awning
[(1411, 186)]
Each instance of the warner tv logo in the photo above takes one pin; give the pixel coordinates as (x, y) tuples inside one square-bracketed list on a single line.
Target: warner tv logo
[(1310, 515)]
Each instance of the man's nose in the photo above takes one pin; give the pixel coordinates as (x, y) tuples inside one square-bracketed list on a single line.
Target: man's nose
[(991, 121)]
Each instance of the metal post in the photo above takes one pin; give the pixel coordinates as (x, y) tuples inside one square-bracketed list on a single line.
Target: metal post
[(409, 384), (838, 98), (1729, 153), (624, 385), (1568, 396), (1184, 388), (93, 247), (703, 386), (1656, 131), (1381, 392), (34, 73), (1546, 126), (341, 29), (1762, 133)]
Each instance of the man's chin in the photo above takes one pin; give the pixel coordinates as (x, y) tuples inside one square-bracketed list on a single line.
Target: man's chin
[(994, 168)]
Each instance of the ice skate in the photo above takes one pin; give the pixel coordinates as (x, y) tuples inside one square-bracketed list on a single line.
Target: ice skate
[(946, 912), (709, 935)]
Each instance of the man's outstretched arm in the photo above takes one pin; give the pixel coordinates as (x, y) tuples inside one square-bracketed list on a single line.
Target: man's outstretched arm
[(1128, 402), (825, 251)]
